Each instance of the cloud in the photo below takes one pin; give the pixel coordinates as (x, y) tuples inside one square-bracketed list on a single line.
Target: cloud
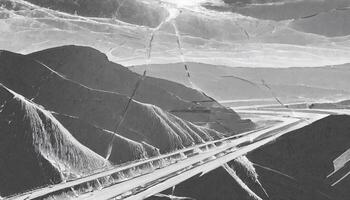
[(213, 37), (279, 10)]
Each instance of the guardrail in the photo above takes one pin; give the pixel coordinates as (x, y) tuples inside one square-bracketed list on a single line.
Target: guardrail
[(145, 186), (213, 147)]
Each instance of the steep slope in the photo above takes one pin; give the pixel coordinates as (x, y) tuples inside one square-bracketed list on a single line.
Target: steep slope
[(92, 68), (296, 165), (35, 149), (218, 184), (98, 139), (143, 122)]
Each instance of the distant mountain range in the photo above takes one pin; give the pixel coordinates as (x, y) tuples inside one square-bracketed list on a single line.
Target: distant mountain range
[(63, 108), (237, 83)]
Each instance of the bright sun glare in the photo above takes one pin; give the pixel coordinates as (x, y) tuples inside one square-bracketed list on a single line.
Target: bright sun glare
[(183, 3)]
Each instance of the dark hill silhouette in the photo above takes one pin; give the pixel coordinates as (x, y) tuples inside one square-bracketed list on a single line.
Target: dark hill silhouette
[(92, 68), (91, 114), (292, 168), (143, 122), (305, 155)]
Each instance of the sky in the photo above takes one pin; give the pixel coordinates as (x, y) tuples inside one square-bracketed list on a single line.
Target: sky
[(244, 33)]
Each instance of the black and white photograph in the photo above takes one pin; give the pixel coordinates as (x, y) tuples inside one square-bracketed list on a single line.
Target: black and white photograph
[(175, 99)]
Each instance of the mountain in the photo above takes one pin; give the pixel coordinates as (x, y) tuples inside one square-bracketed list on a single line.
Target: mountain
[(68, 111), (82, 121), (246, 83), (296, 166), (92, 68), (143, 122), (35, 149)]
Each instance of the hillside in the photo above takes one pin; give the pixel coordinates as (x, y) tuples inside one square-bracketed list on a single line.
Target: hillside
[(143, 122), (35, 149), (88, 116), (92, 68), (294, 167), (301, 161), (98, 140), (132, 91)]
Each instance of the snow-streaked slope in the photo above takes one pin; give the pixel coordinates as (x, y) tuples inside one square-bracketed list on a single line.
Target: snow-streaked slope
[(98, 140), (35, 149), (143, 122), (92, 68)]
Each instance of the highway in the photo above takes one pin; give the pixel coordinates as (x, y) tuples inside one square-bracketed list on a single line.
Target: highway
[(151, 176)]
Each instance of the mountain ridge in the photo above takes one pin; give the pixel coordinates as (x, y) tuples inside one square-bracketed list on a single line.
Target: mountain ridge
[(93, 69), (100, 108)]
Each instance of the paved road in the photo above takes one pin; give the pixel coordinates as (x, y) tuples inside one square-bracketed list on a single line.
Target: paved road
[(183, 164)]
